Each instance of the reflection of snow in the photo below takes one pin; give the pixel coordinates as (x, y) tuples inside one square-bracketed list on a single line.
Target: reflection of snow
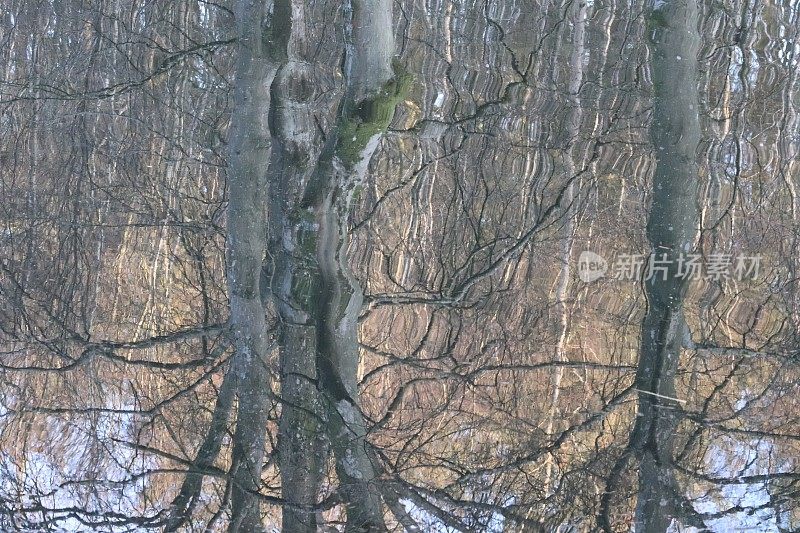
[(491, 523), (731, 458), (87, 471)]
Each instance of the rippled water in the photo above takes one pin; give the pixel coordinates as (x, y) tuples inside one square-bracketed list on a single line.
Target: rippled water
[(498, 386)]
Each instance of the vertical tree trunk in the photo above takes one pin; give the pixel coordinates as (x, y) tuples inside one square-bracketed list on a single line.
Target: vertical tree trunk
[(246, 248), (574, 118), (671, 230), (292, 276), (294, 281), (317, 298), (371, 96)]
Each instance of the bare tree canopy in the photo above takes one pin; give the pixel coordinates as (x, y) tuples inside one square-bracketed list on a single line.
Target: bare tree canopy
[(400, 265)]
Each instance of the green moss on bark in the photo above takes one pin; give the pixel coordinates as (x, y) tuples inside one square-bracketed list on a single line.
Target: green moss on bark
[(372, 116)]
